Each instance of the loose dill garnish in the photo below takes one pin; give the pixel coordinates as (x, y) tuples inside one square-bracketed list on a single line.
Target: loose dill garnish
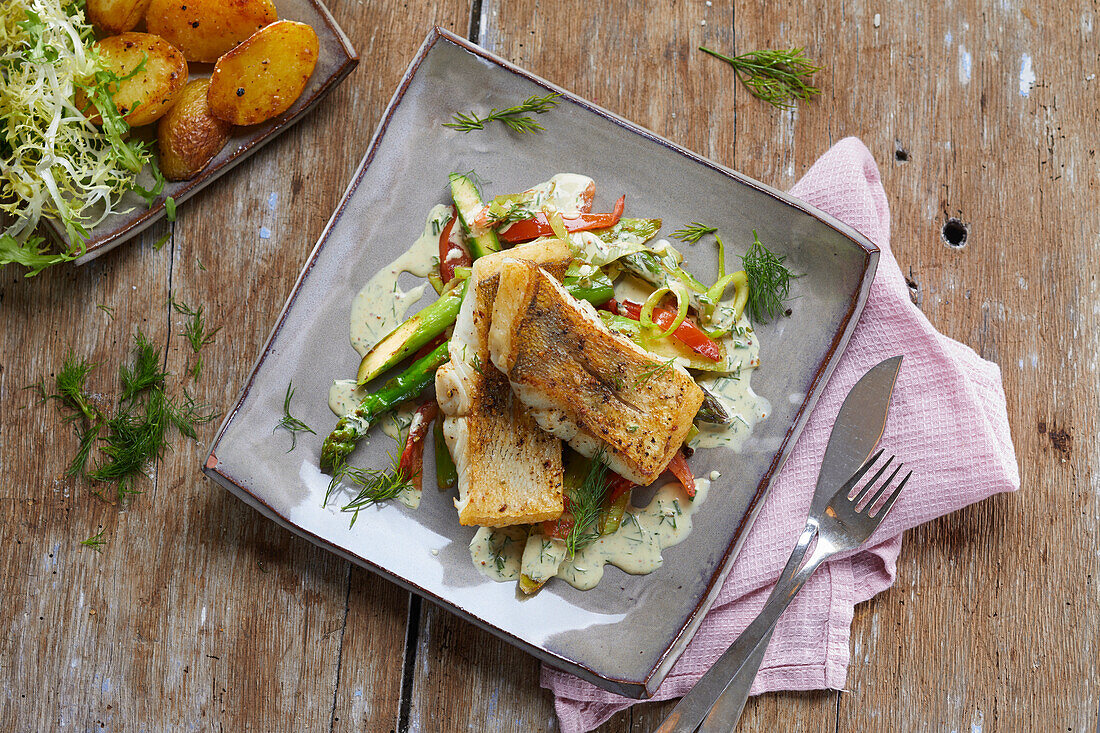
[(693, 232), (655, 371), (137, 435), (69, 385), (585, 504), (137, 431), (515, 118), (96, 541), (477, 365), (145, 372), (769, 281), (375, 486), (289, 422), (497, 554), (779, 77), (517, 212), (195, 332), (107, 309), (157, 245)]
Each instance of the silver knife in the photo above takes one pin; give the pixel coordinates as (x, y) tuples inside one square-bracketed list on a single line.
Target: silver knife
[(856, 432)]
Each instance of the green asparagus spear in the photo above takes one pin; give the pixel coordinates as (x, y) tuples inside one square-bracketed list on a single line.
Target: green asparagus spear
[(402, 388), (596, 289), (411, 335), (446, 475)]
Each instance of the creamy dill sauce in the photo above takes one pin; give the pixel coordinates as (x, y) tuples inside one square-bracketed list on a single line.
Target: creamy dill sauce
[(381, 305), (734, 391), (635, 547)]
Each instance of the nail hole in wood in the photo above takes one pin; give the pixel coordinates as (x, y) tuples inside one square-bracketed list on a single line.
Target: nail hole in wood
[(954, 233), (901, 155)]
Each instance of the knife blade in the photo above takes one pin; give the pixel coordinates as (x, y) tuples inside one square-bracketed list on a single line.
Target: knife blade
[(856, 432)]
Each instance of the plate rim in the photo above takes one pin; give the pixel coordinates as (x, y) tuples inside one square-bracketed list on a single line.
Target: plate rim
[(638, 689), (97, 246)]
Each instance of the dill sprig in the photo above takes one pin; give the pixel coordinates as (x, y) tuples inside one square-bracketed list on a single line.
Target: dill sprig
[(586, 504), (195, 332), (515, 118), (145, 372), (780, 77), (69, 388), (693, 232), (289, 422), (375, 485), (137, 435), (656, 370), (769, 281), (517, 212), (498, 553), (96, 541), (137, 432), (107, 309)]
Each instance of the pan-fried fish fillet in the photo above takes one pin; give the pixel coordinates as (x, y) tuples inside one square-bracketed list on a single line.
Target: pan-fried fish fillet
[(585, 384), (509, 470)]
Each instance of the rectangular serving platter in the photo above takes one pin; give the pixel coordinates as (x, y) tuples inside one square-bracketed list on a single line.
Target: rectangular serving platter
[(625, 634), (335, 60)]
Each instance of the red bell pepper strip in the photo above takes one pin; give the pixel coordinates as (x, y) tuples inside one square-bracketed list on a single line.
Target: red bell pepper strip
[(687, 332), (411, 465), (680, 469), (539, 226), (451, 254), (616, 487), (558, 528)]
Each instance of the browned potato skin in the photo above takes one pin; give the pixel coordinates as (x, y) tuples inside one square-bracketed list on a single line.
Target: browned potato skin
[(265, 75), (154, 89), (206, 29), (116, 16), (189, 136)]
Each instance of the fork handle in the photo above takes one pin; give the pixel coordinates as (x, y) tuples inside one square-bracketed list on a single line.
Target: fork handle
[(700, 701)]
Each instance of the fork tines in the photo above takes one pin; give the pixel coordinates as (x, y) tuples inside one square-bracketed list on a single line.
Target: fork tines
[(876, 492)]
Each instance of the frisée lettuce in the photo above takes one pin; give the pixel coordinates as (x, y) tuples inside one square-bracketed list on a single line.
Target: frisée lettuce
[(55, 163)]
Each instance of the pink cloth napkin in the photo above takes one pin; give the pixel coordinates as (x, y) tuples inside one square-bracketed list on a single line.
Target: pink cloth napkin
[(946, 397)]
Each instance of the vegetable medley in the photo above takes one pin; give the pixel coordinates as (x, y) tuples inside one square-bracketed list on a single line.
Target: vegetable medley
[(641, 291)]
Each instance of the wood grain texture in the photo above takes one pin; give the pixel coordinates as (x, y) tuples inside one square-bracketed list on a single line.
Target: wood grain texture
[(207, 615), (995, 618), (199, 613)]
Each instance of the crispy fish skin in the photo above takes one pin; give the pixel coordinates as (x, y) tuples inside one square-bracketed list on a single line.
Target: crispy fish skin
[(509, 470), (588, 386)]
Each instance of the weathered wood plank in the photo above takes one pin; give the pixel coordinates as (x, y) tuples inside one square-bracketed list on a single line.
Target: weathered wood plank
[(994, 618), (199, 611), (985, 635)]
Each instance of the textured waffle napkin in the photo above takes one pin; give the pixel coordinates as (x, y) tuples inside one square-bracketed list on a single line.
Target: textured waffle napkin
[(946, 396)]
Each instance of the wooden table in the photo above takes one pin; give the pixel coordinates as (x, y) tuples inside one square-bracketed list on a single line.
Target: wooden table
[(201, 613)]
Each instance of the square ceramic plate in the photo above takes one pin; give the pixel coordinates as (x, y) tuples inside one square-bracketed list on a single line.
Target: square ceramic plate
[(335, 60), (625, 634)]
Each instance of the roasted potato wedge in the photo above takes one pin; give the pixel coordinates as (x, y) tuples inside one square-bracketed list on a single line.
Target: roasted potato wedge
[(189, 136), (116, 16), (206, 29), (146, 95), (263, 76)]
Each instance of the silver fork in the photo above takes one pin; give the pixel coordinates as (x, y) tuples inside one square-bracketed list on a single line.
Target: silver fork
[(847, 521)]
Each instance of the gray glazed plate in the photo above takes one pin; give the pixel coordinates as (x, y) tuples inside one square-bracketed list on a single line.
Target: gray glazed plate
[(625, 634), (335, 60)]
